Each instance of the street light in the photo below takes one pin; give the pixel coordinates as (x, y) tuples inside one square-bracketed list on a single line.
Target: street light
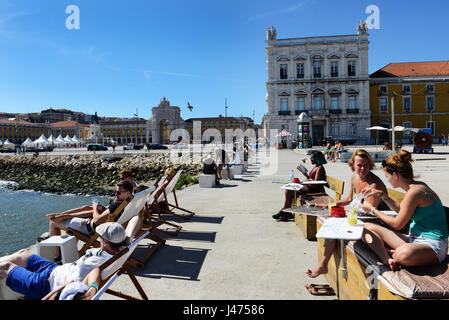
[(393, 145)]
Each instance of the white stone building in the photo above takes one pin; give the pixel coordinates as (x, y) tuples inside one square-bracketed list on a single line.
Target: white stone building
[(326, 77)]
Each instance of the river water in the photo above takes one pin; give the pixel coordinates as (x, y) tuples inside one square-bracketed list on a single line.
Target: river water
[(22, 215)]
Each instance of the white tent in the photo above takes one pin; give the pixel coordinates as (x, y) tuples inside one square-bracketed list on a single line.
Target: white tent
[(42, 141), (75, 139), (28, 143), (1, 142), (60, 140), (51, 139), (7, 144), (68, 140)]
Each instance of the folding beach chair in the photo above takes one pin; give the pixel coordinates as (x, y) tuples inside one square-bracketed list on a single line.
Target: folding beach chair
[(152, 205), (163, 198), (111, 270), (131, 207)]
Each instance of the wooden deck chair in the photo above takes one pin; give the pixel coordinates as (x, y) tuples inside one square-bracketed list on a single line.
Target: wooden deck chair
[(131, 207), (111, 270), (152, 206), (163, 198)]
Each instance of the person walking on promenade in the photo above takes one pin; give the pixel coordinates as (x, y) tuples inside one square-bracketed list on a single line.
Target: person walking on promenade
[(427, 241)]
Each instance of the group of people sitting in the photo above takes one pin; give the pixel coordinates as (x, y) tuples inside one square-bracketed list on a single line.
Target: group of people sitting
[(333, 152), (420, 214), (36, 277), (214, 165)]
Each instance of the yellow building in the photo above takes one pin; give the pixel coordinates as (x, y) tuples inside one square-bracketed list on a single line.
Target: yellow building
[(17, 130), (71, 128), (421, 98)]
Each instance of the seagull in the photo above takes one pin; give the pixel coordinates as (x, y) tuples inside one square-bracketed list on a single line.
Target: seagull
[(189, 106)]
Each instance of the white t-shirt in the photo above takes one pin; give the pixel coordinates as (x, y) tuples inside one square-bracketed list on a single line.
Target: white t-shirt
[(79, 269)]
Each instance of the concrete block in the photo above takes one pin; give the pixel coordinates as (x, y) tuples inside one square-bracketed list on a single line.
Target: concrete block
[(207, 181)]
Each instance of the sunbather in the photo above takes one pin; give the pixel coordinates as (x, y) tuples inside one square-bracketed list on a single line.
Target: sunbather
[(86, 219), (361, 164), (35, 277), (427, 241), (317, 173)]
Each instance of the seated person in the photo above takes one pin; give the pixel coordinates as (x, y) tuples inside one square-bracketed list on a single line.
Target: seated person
[(127, 175), (35, 277), (363, 178), (317, 173), (86, 219), (338, 149), (222, 160), (330, 151), (427, 240), (209, 167)]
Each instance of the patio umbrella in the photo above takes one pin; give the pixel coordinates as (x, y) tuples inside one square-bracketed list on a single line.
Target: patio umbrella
[(377, 128)]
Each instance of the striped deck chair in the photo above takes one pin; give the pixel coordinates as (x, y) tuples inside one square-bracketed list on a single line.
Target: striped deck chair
[(169, 207), (152, 206), (110, 271)]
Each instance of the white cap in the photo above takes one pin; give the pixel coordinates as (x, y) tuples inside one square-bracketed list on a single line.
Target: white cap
[(112, 232), (208, 160)]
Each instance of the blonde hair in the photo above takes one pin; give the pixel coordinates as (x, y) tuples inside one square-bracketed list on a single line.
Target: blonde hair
[(170, 171), (363, 154), (400, 163)]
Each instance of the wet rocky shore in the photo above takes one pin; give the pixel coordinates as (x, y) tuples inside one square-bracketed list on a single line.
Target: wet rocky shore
[(86, 174)]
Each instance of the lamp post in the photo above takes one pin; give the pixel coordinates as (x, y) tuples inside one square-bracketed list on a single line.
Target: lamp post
[(393, 144), (137, 123)]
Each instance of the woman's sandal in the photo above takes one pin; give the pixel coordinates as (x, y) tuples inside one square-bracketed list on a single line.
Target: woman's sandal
[(320, 289)]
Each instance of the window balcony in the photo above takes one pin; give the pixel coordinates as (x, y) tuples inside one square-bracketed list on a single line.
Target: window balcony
[(284, 113), (335, 111), (298, 112), (334, 74), (317, 75), (353, 111)]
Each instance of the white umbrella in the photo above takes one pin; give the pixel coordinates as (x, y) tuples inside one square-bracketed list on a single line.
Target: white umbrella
[(377, 133), (42, 140), (28, 143)]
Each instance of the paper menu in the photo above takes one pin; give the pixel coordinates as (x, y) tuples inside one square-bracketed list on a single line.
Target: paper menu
[(303, 169)]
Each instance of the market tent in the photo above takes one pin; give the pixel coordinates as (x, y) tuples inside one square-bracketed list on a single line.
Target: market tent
[(28, 143), (75, 139), (7, 144), (42, 141), (60, 140), (51, 139), (68, 140)]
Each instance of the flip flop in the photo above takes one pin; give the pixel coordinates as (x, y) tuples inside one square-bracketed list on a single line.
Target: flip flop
[(320, 289)]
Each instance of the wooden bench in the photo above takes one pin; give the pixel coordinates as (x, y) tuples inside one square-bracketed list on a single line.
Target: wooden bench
[(308, 223), (358, 284)]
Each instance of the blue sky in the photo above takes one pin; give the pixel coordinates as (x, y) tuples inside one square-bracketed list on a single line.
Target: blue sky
[(127, 55)]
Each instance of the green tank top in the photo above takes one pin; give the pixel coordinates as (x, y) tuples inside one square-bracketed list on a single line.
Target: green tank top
[(430, 222)]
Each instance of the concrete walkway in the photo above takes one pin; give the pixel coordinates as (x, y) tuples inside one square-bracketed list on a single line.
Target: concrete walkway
[(233, 249)]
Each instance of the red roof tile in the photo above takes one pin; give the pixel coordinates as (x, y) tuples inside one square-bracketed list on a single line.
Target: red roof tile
[(413, 69)]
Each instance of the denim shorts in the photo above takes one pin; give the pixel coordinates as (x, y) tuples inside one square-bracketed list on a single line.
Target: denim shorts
[(32, 280), (439, 246)]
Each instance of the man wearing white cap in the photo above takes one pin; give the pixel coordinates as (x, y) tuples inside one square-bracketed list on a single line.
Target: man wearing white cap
[(35, 276)]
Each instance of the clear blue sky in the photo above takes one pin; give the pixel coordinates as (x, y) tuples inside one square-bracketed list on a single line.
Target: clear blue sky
[(127, 55)]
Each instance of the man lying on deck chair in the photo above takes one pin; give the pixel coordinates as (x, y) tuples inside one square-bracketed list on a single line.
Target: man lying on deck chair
[(86, 219), (34, 276)]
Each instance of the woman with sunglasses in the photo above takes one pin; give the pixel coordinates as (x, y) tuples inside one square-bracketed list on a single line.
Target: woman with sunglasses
[(427, 241)]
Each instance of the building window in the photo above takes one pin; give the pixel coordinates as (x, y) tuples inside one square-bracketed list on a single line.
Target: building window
[(431, 125), (317, 69), (406, 89), (383, 90), (283, 71), (430, 103), (407, 124), (383, 104), (351, 68), (429, 88), (301, 103), (353, 129), (352, 102), (284, 104), (334, 69), (335, 130), (300, 70), (335, 102), (318, 102), (406, 104)]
